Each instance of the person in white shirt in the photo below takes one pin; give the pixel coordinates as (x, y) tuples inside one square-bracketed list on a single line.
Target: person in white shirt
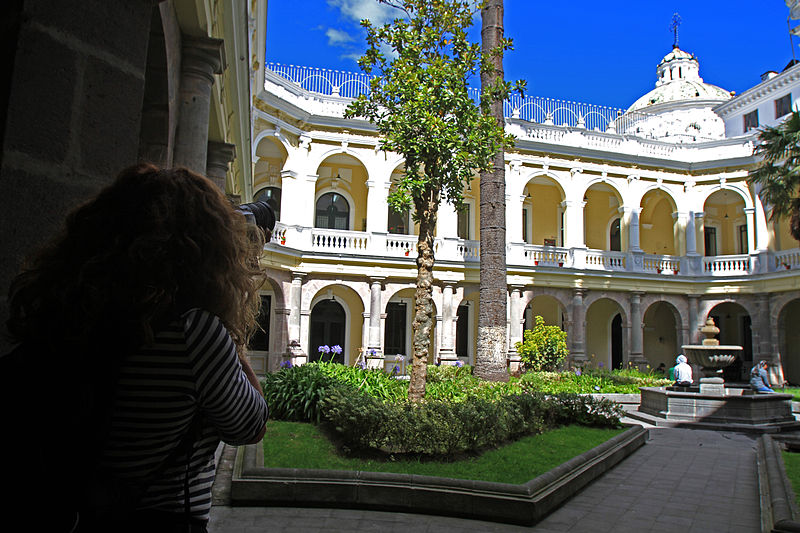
[(683, 372)]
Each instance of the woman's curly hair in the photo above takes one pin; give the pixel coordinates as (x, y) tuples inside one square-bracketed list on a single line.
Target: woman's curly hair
[(152, 245)]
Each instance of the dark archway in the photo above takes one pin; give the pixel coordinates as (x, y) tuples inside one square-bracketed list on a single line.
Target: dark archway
[(333, 212), (328, 323), (734, 323), (616, 341)]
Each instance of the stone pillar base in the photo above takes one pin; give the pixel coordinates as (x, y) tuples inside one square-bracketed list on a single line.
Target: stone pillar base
[(514, 362), (295, 355), (447, 357), (712, 386), (374, 358)]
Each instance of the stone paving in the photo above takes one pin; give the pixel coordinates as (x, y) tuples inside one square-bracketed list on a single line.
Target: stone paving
[(682, 480)]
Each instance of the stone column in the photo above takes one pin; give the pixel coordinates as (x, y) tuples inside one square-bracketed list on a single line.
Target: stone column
[(578, 348), (201, 60), (693, 326), (630, 216), (691, 235), (375, 354), (637, 341), (220, 155), (515, 327), (295, 350), (447, 348)]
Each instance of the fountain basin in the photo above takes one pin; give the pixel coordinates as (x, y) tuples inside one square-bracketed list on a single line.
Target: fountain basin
[(712, 357), (736, 409)]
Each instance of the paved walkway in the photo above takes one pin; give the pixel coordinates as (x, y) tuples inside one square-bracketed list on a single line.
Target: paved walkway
[(682, 480)]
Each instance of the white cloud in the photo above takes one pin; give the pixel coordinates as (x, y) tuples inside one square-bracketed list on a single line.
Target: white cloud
[(357, 10), (338, 37)]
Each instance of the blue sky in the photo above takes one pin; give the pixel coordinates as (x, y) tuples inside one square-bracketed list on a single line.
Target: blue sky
[(599, 52)]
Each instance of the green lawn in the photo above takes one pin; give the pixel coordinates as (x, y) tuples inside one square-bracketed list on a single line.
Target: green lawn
[(790, 390), (300, 445), (792, 463)]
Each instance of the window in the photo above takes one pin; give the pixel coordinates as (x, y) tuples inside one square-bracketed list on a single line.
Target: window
[(395, 335), (271, 195), (751, 121), (333, 212), (614, 240), (524, 225), (710, 239), (743, 247), (783, 106), (463, 223), (260, 339), (398, 222)]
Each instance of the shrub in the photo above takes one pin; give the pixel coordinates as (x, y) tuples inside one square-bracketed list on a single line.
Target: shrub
[(444, 428), (543, 348), (293, 393)]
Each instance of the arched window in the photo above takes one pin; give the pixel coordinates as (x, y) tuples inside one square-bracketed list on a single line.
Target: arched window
[(614, 240), (271, 195), (333, 212)]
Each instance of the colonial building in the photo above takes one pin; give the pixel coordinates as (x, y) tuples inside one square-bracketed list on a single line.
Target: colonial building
[(627, 228)]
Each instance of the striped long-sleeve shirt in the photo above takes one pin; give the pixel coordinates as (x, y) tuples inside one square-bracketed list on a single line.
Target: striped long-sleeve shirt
[(191, 366)]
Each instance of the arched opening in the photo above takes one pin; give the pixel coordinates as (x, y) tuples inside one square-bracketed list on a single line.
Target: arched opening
[(332, 212), (271, 195), (657, 226), (399, 222), (547, 307), (734, 323), (789, 341), (660, 336), (602, 351), (542, 212), (267, 181), (616, 341), (601, 209), (615, 236), (328, 328), (341, 191), (725, 224)]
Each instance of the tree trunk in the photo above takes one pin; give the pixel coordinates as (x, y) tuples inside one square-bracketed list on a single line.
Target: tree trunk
[(490, 360), (427, 209)]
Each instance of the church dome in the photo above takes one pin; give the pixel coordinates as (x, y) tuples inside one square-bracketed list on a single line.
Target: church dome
[(679, 82)]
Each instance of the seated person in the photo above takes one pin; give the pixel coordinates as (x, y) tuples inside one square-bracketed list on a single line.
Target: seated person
[(759, 380), (683, 372), (661, 369)]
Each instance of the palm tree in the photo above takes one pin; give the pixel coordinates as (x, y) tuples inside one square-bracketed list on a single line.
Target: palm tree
[(779, 172), (490, 360)]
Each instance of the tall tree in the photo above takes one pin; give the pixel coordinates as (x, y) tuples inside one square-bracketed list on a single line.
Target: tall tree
[(778, 175), (420, 103), (490, 361)]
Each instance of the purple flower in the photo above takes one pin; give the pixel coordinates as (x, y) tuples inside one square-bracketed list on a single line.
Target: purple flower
[(337, 349), (286, 364), (600, 364), (395, 370), (324, 349), (372, 353), (362, 365), (400, 358), (577, 371), (459, 364)]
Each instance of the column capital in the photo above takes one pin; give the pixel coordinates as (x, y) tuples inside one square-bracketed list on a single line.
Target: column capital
[(202, 57)]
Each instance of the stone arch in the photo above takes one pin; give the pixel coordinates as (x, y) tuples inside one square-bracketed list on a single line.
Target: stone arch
[(658, 227), (724, 217), (664, 330), (542, 210), (343, 173), (602, 202), (352, 302), (788, 339), (606, 338), (734, 318)]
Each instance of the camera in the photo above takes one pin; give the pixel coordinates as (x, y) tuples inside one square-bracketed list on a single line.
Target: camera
[(260, 214)]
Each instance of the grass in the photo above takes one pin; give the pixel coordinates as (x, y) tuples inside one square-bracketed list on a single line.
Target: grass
[(792, 463), (794, 391), (300, 445)]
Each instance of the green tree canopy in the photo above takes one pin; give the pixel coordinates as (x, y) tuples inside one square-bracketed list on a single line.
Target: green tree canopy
[(778, 175), (420, 102)]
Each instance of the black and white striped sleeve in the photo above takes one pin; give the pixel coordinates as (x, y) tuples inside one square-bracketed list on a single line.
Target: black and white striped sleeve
[(225, 396)]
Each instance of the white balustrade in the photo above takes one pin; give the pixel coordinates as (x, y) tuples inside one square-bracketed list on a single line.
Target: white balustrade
[(787, 259), (546, 255), (661, 264), (340, 241), (606, 260), (726, 265)]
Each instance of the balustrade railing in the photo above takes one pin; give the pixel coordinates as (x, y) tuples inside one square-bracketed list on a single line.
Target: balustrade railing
[(537, 109), (726, 265), (358, 243)]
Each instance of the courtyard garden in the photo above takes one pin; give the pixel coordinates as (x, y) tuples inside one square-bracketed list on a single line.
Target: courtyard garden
[(331, 416)]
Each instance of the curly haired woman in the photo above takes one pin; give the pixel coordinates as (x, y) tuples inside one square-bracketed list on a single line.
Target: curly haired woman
[(142, 309)]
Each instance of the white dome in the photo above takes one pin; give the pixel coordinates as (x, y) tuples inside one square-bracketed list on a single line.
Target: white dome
[(679, 81)]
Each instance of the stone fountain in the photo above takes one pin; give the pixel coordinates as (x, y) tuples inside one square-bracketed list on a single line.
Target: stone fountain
[(710, 404)]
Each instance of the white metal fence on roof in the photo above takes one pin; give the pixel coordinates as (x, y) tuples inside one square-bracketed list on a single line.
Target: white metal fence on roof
[(531, 108)]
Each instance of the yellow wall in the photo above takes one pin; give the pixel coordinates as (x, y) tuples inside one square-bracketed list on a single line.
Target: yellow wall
[(660, 339), (656, 234), (790, 344), (784, 240), (598, 331), (546, 307), (543, 207), (355, 186), (601, 207)]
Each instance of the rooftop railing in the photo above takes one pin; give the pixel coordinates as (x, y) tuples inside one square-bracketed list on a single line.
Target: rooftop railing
[(337, 83)]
